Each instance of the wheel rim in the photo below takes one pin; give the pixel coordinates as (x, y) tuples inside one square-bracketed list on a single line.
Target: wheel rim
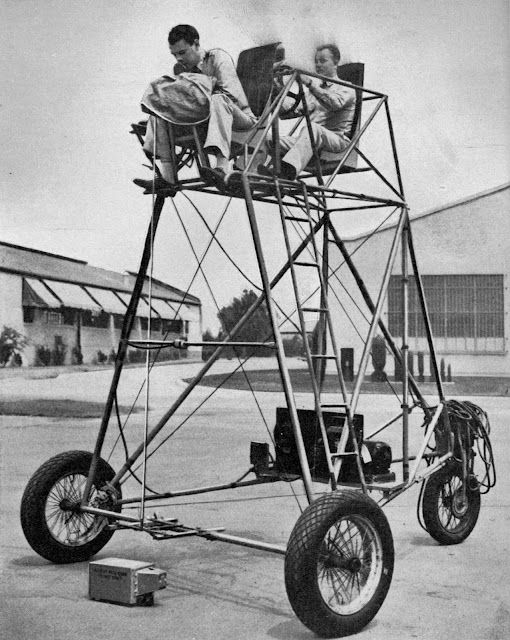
[(453, 507), (350, 564), (66, 524)]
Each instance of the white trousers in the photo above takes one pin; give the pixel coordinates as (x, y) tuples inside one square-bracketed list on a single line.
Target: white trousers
[(298, 151)]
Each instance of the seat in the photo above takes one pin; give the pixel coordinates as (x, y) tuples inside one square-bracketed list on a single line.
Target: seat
[(255, 69), (354, 73)]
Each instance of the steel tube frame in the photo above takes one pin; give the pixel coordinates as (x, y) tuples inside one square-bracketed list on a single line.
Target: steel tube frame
[(284, 373), (371, 306), (196, 380), (320, 192), (210, 489), (377, 311), (127, 327)]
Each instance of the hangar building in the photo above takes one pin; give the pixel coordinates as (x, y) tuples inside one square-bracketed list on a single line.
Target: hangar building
[(463, 256), (71, 312)]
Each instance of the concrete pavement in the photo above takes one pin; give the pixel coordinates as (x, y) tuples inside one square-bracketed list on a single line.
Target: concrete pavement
[(219, 591)]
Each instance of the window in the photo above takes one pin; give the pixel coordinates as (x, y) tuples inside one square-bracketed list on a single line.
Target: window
[(68, 316), (52, 317), (466, 312), (118, 320), (99, 320), (172, 326), (28, 314)]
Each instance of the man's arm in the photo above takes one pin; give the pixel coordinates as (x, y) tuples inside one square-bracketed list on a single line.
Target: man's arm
[(334, 97), (220, 65)]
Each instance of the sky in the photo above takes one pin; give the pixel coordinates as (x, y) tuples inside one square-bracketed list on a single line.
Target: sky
[(72, 73)]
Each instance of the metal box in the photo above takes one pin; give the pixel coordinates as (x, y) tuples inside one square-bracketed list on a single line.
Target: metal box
[(127, 582)]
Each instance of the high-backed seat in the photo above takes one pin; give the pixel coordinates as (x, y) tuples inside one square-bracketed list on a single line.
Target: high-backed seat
[(354, 73)]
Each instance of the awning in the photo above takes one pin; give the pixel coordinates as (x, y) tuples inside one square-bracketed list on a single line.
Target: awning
[(35, 294), (108, 300), (72, 295), (143, 307), (163, 309)]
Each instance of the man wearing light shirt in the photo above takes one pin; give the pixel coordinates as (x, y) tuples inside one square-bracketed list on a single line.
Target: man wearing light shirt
[(331, 108), (229, 107)]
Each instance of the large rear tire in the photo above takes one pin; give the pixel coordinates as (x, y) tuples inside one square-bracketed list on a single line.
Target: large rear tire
[(50, 517), (339, 563), (449, 516)]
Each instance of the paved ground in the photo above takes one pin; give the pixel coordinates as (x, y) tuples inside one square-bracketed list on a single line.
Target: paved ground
[(218, 591)]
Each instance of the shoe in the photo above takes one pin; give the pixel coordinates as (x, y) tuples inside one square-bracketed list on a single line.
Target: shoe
[(287, 171), (158, 185), (214, 178), (234, 182), (267, 172)]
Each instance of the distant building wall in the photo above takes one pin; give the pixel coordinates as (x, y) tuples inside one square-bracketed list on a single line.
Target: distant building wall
[(466, 239)]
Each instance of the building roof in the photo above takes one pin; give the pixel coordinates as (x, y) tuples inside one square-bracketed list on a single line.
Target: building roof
[(430, 212), (50, 267)]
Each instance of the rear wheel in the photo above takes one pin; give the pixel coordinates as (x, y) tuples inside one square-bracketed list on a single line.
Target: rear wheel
[(51, 518), (449, 512), (339, 563)]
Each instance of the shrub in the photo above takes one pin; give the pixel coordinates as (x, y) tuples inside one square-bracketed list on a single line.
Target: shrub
[(76, 355), (11, 343), (42, 356), (58, 354), (293, 347), (101, 357)]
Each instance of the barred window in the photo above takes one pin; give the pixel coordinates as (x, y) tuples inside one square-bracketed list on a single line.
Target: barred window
[(466, 312), (52, 317)]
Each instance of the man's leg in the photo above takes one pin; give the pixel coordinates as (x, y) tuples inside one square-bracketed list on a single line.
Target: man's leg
[(157, 145), (225, 116), (300, 153)]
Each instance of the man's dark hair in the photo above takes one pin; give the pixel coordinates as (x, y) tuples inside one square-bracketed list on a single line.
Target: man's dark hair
[(183, 32), (335, 51)]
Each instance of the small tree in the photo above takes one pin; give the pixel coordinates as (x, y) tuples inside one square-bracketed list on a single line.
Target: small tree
[(11, 343), (256, 329), (378, 359), (207, 351)]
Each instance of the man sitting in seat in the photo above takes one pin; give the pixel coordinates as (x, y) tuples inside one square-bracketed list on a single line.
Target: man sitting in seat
[(331, 108), (229, 108)]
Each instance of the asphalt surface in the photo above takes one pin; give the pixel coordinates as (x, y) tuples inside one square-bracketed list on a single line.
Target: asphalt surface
[(216, 590)]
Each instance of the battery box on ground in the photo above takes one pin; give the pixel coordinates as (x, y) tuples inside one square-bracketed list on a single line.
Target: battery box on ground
[(125, 582)]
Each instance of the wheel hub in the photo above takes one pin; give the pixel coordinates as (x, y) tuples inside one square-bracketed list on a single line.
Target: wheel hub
[(337, 561), (459, 504), (68, 505)]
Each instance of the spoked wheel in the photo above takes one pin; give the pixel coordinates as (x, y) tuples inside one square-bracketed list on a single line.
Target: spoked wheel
[(449, 513), (339, 563), (51, 519)]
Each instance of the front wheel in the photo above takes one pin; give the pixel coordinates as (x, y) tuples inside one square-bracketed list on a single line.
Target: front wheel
[(450, 507), (339, 563), (51, 519)]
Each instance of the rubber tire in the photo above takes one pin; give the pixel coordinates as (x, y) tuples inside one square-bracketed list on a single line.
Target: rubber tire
[(33, 505), (433, 495), (302, 562)]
